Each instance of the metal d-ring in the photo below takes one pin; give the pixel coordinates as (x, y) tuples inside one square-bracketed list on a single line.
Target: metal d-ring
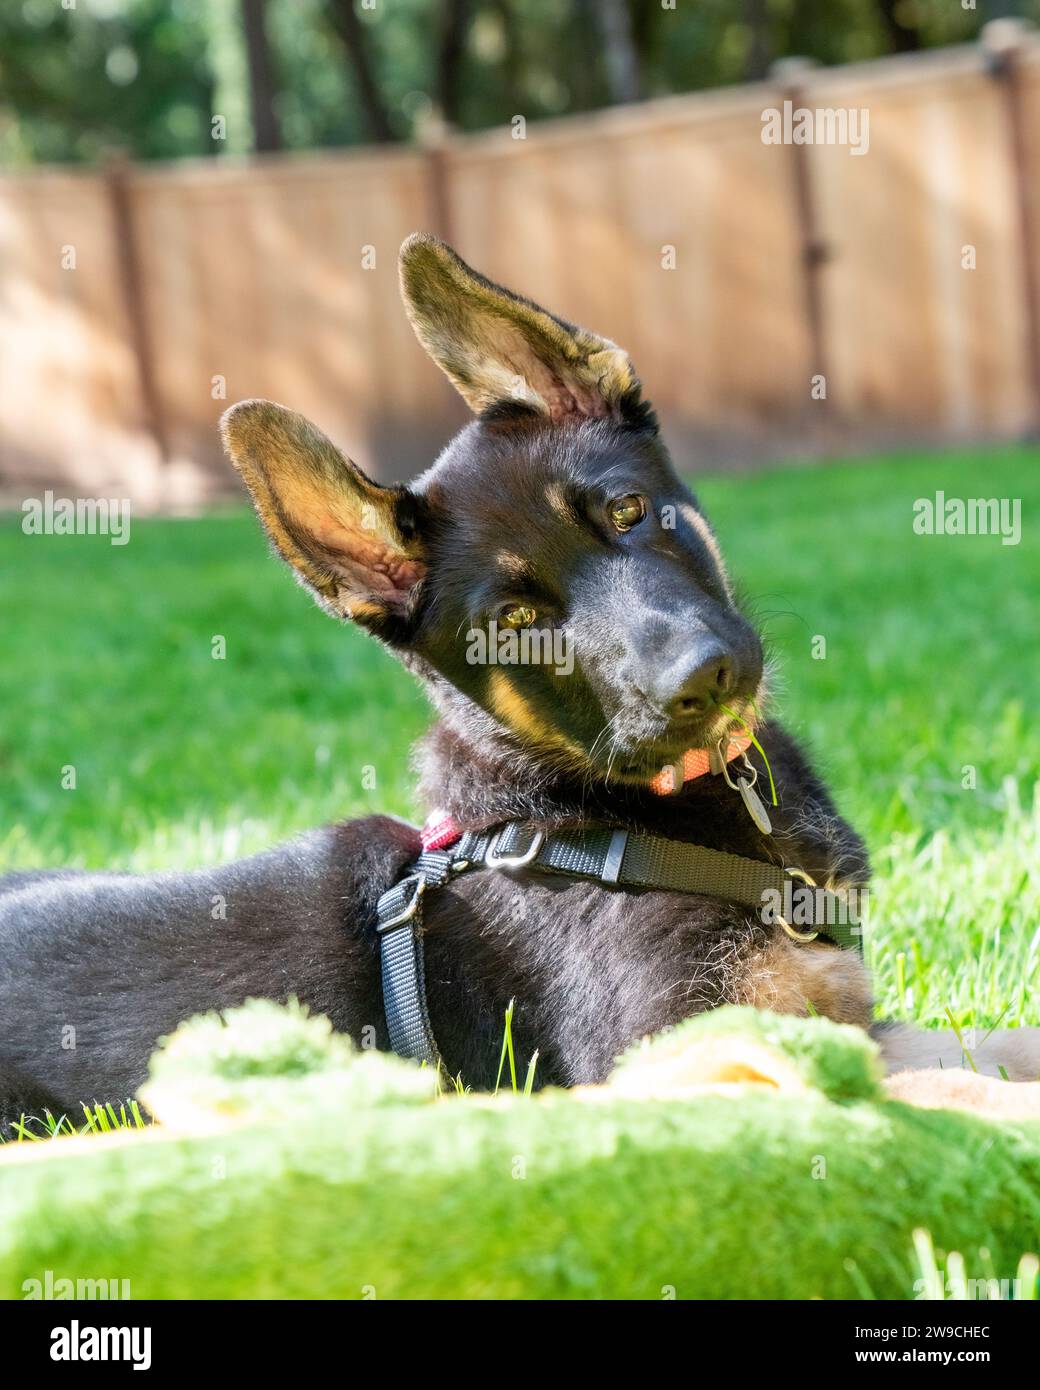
[(799, 936), (494, 860)]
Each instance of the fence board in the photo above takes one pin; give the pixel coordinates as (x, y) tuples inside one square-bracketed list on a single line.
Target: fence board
[(251, 273), (71, 409), (922, 347)]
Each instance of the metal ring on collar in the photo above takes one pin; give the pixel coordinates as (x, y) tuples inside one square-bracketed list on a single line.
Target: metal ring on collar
[(408, 911), (750, 781), (801, 937), (494, 860)]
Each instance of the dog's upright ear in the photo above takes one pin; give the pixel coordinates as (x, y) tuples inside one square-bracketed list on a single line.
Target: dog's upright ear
[(498, 349), (354, 543)]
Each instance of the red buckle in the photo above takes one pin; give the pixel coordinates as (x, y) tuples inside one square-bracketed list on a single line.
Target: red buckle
[(439, 832)]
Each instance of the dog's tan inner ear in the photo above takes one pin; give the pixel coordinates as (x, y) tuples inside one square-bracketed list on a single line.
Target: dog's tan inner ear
[(496, 347), (336, 527)]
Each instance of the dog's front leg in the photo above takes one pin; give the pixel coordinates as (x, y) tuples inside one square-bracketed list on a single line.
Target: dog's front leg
[(1013, 1054)]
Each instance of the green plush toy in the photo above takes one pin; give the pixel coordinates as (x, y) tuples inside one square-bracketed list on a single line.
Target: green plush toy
[(741, 1155)]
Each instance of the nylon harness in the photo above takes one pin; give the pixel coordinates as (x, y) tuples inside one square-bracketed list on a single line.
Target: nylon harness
[(617, 858)]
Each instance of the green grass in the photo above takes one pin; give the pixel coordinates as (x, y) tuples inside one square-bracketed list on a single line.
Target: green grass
[(97, 1119), (942, 1276), (931, 666)]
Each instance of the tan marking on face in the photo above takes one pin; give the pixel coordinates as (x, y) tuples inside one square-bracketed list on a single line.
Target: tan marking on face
[(558, 502), (358, 608), (515, 711), (706, 534), (511, 564)]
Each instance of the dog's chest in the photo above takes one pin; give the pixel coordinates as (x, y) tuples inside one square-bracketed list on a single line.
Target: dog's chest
[(591, 968)]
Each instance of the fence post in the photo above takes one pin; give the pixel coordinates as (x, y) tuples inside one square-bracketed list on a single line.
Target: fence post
[(789, 74), (117, 174), (1002, 41), (435, 142)]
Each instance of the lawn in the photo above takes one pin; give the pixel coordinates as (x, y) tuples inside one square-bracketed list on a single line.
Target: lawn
[(930, 669)]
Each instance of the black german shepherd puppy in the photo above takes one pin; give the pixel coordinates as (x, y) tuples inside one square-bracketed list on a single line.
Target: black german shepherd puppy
[(557, 508)]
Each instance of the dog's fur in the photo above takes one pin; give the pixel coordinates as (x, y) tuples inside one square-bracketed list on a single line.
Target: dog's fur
[(519, 510)]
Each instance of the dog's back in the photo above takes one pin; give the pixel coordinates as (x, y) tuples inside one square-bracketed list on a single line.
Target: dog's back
[(95, 968)]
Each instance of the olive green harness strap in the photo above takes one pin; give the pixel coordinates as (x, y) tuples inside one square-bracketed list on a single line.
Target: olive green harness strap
[(618, 858)]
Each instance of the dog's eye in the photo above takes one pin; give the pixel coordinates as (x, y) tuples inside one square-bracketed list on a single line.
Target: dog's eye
[(518, 615), (626, 512)]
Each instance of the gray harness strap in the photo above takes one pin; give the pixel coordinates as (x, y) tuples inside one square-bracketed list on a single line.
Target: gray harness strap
[(614, 857), (647, 861)]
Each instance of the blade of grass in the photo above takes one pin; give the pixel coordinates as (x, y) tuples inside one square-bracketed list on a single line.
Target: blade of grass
[(761, 751), (507, 1049), (529, 1083), (1026, 1274), (935, 1287), (960, 1038)]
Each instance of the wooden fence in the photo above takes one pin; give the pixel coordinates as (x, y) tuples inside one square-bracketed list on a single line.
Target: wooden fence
[(137, 301)]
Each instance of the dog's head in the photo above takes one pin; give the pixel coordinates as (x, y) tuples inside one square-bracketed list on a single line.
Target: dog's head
[(550, 575)]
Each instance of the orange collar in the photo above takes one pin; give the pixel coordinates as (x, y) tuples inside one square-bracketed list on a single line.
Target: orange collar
[(440, 829), (696, 763)]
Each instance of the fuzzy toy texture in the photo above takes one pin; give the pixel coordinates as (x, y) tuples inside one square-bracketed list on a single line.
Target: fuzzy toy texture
[(742, 1155)]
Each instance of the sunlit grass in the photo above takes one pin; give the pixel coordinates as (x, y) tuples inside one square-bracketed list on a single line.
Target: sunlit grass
[(93, 1119), (938, 1275), (920, 716)]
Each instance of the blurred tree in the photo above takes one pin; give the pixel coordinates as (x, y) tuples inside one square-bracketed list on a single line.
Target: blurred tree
[(619, 51), (152, 74), (588, 90), (903, 37), (759, 49), (262, 89), (502, 22), (344, 19), (76, 82), (450, 56)]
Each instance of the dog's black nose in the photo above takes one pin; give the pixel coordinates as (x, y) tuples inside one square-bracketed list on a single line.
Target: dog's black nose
[(704, 683)]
